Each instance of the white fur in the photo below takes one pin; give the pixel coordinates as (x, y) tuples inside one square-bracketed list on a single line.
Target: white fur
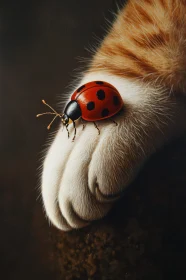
[(112, 159)]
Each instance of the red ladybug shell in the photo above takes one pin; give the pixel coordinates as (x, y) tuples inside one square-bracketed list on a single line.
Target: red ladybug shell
[(98, 100)]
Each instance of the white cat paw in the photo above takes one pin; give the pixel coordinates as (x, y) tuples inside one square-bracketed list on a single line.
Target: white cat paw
[(82, 179)]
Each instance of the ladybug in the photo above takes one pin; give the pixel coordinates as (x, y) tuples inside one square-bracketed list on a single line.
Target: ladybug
[(91, 102)]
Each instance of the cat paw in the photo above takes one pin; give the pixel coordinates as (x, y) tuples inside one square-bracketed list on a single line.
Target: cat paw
[(83, 178)]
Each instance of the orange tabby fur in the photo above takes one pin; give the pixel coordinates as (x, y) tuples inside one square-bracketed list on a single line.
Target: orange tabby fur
[(139, 46)]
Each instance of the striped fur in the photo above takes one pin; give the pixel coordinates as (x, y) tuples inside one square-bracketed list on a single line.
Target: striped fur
[(147, 41)]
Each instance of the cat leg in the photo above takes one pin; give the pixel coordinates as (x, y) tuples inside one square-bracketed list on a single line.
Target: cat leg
[(140, 56)]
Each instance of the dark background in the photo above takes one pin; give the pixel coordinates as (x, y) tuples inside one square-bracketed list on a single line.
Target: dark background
[(144, 236), (39, 45)]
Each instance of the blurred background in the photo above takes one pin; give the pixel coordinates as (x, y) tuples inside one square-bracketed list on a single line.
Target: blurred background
[(145, 234), (39, 45)]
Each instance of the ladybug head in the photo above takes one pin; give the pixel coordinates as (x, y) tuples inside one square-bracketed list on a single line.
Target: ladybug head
[(65, 119)]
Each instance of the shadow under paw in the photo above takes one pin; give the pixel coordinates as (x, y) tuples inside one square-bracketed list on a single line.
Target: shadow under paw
[(143, 236)]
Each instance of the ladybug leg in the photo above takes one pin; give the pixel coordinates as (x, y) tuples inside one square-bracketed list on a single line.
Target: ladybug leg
[(97, 128), (74, 124), (62, 126), (114, 121), (67, 130), (83, 124)]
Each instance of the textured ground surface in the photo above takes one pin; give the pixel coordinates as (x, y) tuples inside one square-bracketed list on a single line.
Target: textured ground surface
[(145, 234), (143, 237)]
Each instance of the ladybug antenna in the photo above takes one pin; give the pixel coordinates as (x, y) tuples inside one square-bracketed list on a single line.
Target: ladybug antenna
[(49, 113), (48, 127)]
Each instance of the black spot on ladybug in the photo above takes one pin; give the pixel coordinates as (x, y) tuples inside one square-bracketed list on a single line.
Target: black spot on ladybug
[(80, 88), (115, 100), (105, 112), (99, 83), (100, 94), (90, 106)]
